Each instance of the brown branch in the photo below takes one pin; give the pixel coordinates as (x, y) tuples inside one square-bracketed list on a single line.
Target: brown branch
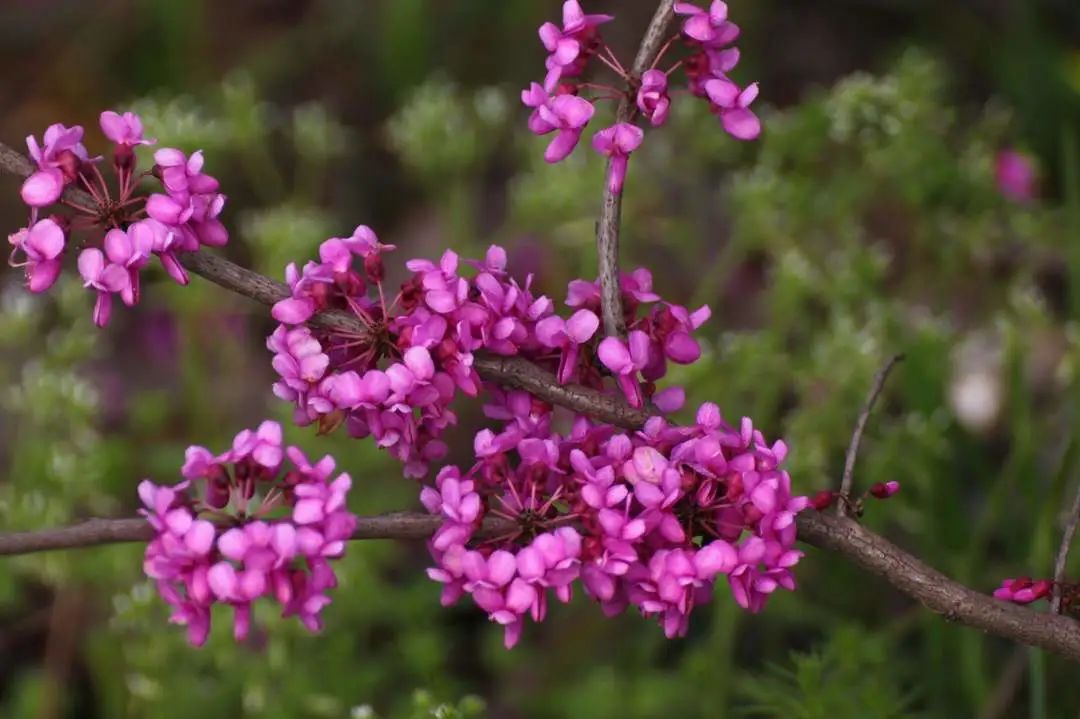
[(94, 532), (867, 550), (607, 228), (1062, 562), (937, 592), (856, 436)]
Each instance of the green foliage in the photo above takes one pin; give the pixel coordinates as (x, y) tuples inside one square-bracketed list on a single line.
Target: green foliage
[(851, 675)]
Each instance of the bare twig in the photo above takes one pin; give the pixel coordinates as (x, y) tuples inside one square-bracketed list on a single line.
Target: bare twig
[(1062, 562), (856, 436), (607, 228)]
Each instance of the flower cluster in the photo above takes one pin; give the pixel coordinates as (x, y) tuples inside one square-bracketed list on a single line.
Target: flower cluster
[(564, 104), (649, 519), (397, 378), (118, 232), (256, 521)]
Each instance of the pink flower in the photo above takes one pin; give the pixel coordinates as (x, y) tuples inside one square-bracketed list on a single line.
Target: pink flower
[(625, 360), (123, 129), (566, 45), (568, 114), (43, 245), (567, 335), (1023, 590), (710, 28), (732, 105), (617, 142), (105, 277), (130, 250), (652, 97), (1016, 176)]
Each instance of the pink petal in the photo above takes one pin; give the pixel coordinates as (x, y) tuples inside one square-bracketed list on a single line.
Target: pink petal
[(741, 124), (42, 188), (614, 355)]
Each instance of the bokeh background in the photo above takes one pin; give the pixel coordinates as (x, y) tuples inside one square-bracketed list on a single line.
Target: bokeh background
[(865, 222)]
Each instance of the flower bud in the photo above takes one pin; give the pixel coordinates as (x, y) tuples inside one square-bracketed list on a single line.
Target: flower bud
[(823, 500)]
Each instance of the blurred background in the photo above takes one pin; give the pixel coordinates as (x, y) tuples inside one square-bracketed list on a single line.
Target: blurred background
[(867, 221)]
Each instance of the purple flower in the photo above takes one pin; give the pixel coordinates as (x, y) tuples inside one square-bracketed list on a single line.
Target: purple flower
[(130, 250), (732, 105), (123, 129), (58, 159), (565, 46), (617, 142), (568, 114), (1016, 176), (625, 359), (652, 97), (1023, 590), (43, 244), (105, 277), (709, 28), (567, 335)]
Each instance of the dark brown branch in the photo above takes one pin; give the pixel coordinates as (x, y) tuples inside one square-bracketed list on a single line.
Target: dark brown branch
[(93, 532), (607, 229), (856, 436), (867, 550), (1062, 562), (937, 592)]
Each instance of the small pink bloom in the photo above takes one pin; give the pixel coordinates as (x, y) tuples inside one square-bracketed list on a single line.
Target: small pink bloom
[(1016, 176), (617, 142)]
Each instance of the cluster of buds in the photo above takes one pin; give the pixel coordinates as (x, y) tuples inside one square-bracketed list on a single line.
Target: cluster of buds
[(565, 105), (256, 521), (115, 228), (878, 490)]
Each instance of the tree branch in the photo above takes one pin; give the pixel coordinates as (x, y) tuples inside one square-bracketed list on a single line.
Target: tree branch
[(856, 436), (94, 532), (847, 538), (937, 592), (607, 228), (1062, 562)]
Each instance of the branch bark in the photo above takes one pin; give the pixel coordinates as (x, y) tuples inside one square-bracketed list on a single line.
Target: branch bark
[(607, 228)]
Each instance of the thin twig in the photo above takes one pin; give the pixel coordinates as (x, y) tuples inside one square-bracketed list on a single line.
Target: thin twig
[(1062, 562), (856, 436), (607, 228)]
